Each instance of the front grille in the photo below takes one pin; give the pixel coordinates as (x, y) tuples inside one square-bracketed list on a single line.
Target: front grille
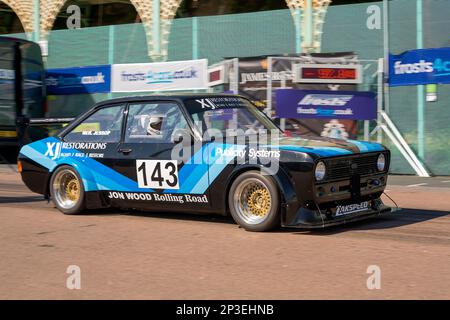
[(345, 167)]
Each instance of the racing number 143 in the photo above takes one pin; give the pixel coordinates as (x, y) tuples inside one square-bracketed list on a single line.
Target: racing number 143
[(157, 174)]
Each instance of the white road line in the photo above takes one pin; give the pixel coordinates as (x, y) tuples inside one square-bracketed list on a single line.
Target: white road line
[(416, 185), (446, 181)]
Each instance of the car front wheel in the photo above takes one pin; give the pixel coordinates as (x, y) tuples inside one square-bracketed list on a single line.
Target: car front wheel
[(254, 201), (66, 190)]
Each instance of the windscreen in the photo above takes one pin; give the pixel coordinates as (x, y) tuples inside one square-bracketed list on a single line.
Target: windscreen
[(230, 115)]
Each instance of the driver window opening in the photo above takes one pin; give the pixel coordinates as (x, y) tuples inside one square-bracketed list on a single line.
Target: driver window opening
[(153, 122)]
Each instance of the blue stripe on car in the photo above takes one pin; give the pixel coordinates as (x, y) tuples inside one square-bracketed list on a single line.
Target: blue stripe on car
[(208, 165), (364, 146), (194, 175), (320, 151), (95, 175), (216, 164)]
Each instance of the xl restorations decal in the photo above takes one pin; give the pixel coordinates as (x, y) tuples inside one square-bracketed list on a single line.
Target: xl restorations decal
[(225, 104), (220, 102), (70, 149)]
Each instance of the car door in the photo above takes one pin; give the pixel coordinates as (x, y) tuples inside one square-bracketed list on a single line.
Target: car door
[(91, 148), (94, 140), (149, 155)]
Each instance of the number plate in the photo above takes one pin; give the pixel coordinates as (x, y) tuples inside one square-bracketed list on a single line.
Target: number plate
[(157, 174), (351, 208)]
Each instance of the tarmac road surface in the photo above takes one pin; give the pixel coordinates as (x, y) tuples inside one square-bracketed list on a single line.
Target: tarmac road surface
[(178, 256)]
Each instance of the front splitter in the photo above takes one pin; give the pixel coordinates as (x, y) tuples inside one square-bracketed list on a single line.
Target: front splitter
[(313, 219)]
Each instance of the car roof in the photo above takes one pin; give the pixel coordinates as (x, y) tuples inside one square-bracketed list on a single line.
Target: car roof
[(175, 97), (127, 99)]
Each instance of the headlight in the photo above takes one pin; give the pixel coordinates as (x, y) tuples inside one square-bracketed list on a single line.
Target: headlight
[(381, 162), (320, 171)]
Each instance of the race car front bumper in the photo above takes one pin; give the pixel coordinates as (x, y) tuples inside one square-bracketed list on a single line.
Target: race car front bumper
[(321, 218)]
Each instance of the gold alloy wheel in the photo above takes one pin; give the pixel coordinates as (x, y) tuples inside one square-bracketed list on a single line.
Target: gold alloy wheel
[(67, 190), (252, 201), (258, 200), (73, 189)]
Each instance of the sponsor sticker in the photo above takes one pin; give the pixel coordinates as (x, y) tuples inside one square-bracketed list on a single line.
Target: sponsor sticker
[(96, 133), (420, 66), (351, 208), (90, 79), (319, 104), (68, 149), (157, 197), (160, 76), (220, 102), (326, 100)]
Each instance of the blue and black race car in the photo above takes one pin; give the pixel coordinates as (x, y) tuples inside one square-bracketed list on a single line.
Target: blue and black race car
[(205, 154)]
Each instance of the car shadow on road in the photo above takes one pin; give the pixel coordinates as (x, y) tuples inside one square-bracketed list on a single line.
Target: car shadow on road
[(404, 217), (394, 220), (21, 199), (214, 218), (400, 218)]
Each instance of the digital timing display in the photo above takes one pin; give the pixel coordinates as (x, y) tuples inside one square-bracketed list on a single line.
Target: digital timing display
[(329, 73)]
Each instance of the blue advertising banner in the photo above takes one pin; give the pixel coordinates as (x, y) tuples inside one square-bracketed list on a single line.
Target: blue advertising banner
[(421, 66), (66, 81), (313, 104)]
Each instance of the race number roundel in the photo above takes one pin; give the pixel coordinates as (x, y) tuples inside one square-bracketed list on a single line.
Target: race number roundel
[(157, 174)]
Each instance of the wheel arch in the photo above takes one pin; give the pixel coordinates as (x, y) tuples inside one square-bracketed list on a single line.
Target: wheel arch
[(87, 178)]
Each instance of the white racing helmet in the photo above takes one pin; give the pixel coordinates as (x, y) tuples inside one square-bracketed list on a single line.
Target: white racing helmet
[(154, 125)]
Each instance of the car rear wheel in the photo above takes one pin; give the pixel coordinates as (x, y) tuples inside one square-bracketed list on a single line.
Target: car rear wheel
[(66, 190), (254, 201)]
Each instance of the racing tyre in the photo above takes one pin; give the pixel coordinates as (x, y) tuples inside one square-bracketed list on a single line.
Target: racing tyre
[(254, 201), (67, 191)]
